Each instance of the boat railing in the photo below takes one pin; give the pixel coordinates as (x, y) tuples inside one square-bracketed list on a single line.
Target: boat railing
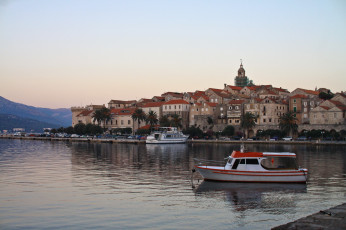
[(206, 163)]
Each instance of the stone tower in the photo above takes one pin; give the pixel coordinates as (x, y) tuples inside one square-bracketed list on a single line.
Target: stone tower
[(241, 80)]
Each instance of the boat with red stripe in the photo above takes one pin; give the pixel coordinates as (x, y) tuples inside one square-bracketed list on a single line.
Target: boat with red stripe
[(254, 167)]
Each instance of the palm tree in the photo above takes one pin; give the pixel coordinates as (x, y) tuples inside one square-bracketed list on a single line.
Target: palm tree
[(102, 115), (176, 120), (288, 123), (247, 122), (138, 115), (152, 118), (164, 121)]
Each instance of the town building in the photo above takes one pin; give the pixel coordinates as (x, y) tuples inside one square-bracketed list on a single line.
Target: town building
[(179, 107)]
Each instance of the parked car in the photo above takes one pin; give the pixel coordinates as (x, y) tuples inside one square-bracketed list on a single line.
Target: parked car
[(287, 138), (302, 138), (74, 135)]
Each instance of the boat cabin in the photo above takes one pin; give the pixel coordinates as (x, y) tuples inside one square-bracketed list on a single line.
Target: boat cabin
[(254, 161)]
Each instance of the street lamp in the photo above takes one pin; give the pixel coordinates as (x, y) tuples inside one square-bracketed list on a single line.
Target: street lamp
[(322, 132)]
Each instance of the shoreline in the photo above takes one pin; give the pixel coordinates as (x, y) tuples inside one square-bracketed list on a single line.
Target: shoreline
[(332, 218), (131, 141)]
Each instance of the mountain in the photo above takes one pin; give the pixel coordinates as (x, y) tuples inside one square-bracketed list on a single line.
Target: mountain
[(56, 117), (9, 121)]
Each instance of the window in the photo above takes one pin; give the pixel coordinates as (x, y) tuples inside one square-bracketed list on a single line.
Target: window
[(305, 115), (305, 103), (264, 120), (305, 110), (235, 164), (312, 103), (129, 122), (169, 107), (242, 161), (294, 101), (279, 163), (206, 109), (175, 107), (230, 107), (215, 99), (270, 120), (237, 107), (294, 109), (251, 161), (221, 108), (122, 122)]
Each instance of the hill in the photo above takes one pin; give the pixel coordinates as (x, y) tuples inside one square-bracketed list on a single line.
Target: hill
[(9, 121), (54, 117)]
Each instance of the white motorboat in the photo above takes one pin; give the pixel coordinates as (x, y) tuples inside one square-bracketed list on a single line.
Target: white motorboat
[(255, 167), (166, 135)]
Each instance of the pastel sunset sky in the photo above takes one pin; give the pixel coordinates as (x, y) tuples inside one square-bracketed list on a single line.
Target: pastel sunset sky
[(63, 53)]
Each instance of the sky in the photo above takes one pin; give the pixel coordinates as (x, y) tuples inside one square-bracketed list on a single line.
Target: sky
[(63, 53)]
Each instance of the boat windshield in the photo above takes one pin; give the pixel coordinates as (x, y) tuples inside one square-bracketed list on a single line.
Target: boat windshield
[(279, 163)]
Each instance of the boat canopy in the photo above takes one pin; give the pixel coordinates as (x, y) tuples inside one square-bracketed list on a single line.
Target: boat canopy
[(238, 154)]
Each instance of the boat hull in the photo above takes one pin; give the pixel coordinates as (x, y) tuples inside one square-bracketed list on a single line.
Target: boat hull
[(166, 141), (275, 176)]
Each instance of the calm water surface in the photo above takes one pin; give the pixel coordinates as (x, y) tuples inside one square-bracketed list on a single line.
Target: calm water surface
[(45, 185)]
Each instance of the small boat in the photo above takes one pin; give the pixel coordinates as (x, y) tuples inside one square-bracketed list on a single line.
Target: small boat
[(166, 135), (255, 167)]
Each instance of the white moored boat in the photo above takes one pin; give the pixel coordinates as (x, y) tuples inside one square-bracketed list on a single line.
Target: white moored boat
[(255, 167), (166, 135)]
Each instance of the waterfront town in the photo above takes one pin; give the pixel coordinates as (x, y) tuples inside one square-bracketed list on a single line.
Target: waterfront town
[(215, 108)]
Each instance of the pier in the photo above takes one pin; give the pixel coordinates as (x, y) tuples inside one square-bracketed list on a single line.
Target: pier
[(135, 141), (333, 219)]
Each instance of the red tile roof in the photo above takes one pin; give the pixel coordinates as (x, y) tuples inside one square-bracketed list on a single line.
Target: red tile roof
[(299, 96), (236, 102), (337, 103), (153, 104), (85, 113), (325, 107), (123, 111), (211, 104), (174, 102), (148, 126), (234, 87), (310, 91)]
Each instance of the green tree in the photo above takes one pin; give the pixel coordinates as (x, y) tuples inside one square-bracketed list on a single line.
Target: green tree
[(228, 131), (210, 121), (138, 116), (176, 120), (151, 118), (194, 132), (288, 123), (102, 116), (93, 129), (69, 130), (164, 121), (325, 96), (247, 122), (80, 128)]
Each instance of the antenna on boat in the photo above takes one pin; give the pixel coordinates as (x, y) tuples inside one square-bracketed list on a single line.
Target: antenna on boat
[(242, 148)]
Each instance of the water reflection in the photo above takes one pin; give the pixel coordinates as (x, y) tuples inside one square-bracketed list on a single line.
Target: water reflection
[(244, 196)]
